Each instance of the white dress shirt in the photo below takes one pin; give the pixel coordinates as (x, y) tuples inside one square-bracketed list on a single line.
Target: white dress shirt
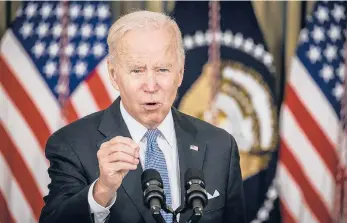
[(168, 145)]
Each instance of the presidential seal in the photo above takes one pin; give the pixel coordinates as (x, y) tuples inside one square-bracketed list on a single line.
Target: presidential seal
[(243, 106)]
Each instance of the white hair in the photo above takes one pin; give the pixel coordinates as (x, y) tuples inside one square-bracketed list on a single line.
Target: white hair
[(143, 20)]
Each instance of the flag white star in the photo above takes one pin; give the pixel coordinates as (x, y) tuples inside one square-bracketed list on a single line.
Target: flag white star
[(88, 11), (82, 49), (50, 69), (69, 49), (30, 10), (101, 31), (188, 42), (327, 73), (53, 49), (56, 30), (338, 12), (46, 10), (74, 11), (338, 91), (259, 51), (38, 49), (314, 54), (303, 35), (72, 30), (248, 45), (322, 14), (318, 34), (86, 31), (199, 38), (341, 72), (334, 33), (330, 52), (98, 50), (19, 12), (80, 69), (59, 11), (26, 30), (42, 30), (103, 11), (61, 88), (228, 38), (65, 69)]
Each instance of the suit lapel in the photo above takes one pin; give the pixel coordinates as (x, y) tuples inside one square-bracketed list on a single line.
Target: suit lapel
[(188, 156), (113, 125)]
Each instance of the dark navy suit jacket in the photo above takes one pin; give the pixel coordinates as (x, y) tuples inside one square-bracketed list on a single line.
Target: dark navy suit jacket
[(74, 167)]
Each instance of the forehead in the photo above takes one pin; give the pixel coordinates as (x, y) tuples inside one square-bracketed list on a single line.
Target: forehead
[(141, 44)]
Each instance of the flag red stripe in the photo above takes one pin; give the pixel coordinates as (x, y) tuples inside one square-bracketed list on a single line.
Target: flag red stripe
[(286, 215), (98, 90), (311, 196), (313, 132), (21, 173), (24, 103), (5, 214), (70, 112)]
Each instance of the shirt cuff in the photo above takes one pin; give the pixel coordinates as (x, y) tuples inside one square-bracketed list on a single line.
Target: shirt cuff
[(99, 211)]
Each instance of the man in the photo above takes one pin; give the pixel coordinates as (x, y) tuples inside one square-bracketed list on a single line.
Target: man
[(96, 163)]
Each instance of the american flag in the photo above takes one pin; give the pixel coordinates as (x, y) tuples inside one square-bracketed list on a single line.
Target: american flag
[(311, 124), (53, 59)]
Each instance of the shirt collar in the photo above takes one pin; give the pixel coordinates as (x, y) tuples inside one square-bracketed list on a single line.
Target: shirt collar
[(137, 130)]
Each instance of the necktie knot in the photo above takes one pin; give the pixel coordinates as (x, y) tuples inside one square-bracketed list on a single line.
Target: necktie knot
[(152, 135)]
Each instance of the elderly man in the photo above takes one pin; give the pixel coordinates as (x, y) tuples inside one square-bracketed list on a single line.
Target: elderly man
[(96, 162)]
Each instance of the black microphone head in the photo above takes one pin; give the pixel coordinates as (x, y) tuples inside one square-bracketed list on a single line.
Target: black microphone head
[(196, 194), (148, 175), (193, 174)]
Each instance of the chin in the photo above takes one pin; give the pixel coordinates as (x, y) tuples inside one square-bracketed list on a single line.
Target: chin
[(154, 120)]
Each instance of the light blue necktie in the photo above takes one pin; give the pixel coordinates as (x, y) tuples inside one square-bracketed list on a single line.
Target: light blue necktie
[(155, 160)]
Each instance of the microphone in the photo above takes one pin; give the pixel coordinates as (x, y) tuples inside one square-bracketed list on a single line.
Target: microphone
[(153, 193), (196, 195)]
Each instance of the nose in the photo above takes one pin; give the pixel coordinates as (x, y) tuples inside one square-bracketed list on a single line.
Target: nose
[(151, 84)]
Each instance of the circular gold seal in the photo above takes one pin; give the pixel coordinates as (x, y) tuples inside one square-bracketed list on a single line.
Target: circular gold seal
[(245, 109)]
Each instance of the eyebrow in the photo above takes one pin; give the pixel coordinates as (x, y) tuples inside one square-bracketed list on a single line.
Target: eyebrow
[(169, 65)]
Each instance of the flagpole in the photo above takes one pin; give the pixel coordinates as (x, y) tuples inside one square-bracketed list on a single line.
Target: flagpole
[(214, 56), (64, 63)]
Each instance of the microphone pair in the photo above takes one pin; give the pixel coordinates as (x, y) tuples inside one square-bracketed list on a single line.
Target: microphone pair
[(155, 200)]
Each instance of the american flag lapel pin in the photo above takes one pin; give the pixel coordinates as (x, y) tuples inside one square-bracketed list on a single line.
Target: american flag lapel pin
[(194, 147)]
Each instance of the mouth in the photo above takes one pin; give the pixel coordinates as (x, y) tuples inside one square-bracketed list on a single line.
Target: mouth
[(151, 105)]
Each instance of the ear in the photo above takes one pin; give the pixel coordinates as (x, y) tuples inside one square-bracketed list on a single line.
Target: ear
[(112, 73)]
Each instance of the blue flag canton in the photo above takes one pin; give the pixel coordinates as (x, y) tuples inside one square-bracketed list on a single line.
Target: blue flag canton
[(321, 49), (39, 27)]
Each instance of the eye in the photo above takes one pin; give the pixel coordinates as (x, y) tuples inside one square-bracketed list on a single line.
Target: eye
[(137, 71), (163, 70)]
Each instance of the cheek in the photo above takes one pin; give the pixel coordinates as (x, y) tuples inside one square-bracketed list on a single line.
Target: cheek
[(169, 88), (130, 85)]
